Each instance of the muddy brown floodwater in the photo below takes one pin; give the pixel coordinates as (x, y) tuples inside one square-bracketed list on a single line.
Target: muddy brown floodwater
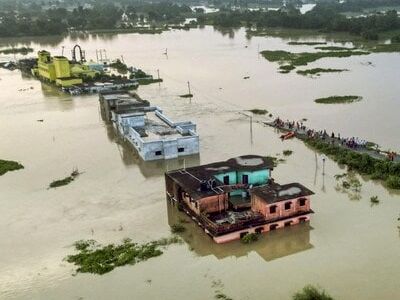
[(350, 248)]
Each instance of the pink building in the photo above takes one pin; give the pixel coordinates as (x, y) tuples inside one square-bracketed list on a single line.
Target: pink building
[(233, 198)]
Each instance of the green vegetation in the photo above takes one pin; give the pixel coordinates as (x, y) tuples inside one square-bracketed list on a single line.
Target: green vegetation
[(186, 95), (22, 50), (287, 152), (97, 259), (8, 166), (222, 296), (348, 181), (146, 81), (338, 99), (304, 58), (325, 17), (64, 181), (249, 238), (307, 43), (20, 18), (310, 292), (177, 228), (319, 71), (335, 48), (119, 66), (143, 78), (377, 169), (286, 69), (385, 48), (374, 200), (258, 111)]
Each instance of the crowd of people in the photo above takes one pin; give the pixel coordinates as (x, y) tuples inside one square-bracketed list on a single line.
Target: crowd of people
[(352, 143)]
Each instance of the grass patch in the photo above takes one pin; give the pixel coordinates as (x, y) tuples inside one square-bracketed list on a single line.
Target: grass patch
[(287, 152), (307, 43), (286, 69), (177, 228), (304, 58), (382, 48), (64, 181), (258, 111), (186, 96), (146, 81), (334, 48), (385, 170), (22, 50), (374, 200), (318, 71), (97, 259), (222, 296), (338, 99), (8, 166), (348, 181), (310, 292), (249, 238)]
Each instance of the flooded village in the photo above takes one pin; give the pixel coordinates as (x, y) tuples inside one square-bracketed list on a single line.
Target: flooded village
[(199, 162)]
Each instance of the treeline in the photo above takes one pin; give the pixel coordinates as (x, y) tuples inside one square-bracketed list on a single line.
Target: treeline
[(359, 5), (323, 17), (51, 21)]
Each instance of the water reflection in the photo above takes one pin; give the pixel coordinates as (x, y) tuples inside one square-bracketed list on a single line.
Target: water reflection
[(48, 41), (271, 246)]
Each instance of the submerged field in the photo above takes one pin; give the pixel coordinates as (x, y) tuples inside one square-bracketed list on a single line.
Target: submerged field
[(350, 248)]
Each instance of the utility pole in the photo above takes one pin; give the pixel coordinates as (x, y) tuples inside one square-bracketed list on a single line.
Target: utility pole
[(62, 50), (189, 87), (323, 164), (251, 130), (158, 73)]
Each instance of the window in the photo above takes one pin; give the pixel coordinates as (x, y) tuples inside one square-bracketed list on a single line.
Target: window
[(273, 227), (287, 224), (196, 204), (181, 149), (226, 180), (245, 179), (302, 220), (158, 153), (272, 209), (259, 230), (288, 205), (302, 201)]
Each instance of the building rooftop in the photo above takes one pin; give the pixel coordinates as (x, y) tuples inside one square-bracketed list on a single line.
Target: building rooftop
[(156, 129), (192, 179), (274, 192)]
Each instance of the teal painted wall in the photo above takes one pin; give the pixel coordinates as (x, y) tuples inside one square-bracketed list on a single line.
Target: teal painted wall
[(255, 178), (232, 177)]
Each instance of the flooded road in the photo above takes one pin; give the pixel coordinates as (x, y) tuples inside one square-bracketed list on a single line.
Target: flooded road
[(350, 247)]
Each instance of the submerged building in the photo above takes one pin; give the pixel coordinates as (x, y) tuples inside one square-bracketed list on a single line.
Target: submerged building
[(232, 198), (76, 77), (147, 128)]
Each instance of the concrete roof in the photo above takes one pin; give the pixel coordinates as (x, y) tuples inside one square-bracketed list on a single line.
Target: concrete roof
[(274, 192)]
